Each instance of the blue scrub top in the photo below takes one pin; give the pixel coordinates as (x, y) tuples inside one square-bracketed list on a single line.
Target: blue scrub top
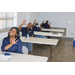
[(16, 48), (45, 26), (25, 31), (36, 28)]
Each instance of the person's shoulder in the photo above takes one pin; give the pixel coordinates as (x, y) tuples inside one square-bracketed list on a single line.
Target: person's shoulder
[(34, 26), (44, 23), (5, 38), (19, 39), (24, 28), (48, 24)]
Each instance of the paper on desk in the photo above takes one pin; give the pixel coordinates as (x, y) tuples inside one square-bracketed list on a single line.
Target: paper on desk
[(3, 57)]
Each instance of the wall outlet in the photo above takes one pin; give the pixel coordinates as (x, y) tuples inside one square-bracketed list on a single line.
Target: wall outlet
[(68, 22), (72, 32)]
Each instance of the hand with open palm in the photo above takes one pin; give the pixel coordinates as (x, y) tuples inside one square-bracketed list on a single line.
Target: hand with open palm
[(24, 22), (14, 41)]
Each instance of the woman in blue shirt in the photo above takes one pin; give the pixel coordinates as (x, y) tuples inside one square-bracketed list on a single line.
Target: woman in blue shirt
[(12, 42)]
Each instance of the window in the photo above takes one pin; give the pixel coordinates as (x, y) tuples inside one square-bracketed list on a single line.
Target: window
[(8, 19)]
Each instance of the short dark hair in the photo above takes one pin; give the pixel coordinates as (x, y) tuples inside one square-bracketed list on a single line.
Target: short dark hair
[(17, 30), (36, 24)]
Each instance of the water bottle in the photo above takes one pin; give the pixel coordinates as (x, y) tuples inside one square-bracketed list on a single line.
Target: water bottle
[(74, 43), (27, 35)]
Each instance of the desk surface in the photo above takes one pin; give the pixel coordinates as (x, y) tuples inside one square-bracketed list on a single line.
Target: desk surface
[(40, 40), (53, 30), (25, 58), (48, 34)]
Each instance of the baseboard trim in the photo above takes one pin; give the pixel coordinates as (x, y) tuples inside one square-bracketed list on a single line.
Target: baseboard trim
[(70, 38)]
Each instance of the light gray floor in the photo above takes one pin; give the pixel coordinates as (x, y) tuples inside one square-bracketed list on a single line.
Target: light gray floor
[(65, 53)]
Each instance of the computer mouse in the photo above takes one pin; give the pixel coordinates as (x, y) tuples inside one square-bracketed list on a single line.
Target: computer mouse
[(7, 54)]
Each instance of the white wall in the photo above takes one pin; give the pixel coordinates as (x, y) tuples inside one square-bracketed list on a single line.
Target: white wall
[(28, 16), (34, 15), (59, 19), (21, 16)]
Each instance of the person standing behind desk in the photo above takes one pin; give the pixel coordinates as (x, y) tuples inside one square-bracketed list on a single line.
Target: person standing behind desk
[(46, 25), (25, 31)]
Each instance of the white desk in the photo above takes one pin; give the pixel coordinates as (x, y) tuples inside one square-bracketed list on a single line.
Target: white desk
[(53, 30), (41, 41), (48, 34), (25, 58), (58, 35)]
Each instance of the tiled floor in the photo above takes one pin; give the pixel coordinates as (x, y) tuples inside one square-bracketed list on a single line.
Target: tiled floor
[(65, 53)]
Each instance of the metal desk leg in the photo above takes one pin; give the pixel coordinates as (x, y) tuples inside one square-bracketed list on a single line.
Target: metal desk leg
[(32, 48), (60, 40), (58, 43), (56, 48), (50, 52)]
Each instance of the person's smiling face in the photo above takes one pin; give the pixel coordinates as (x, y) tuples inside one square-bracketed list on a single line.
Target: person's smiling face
[(12, 32)]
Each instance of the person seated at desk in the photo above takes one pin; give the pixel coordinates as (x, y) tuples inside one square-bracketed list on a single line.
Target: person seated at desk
[(12, 42), (45, 25), (36, 27), (25, 31)]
